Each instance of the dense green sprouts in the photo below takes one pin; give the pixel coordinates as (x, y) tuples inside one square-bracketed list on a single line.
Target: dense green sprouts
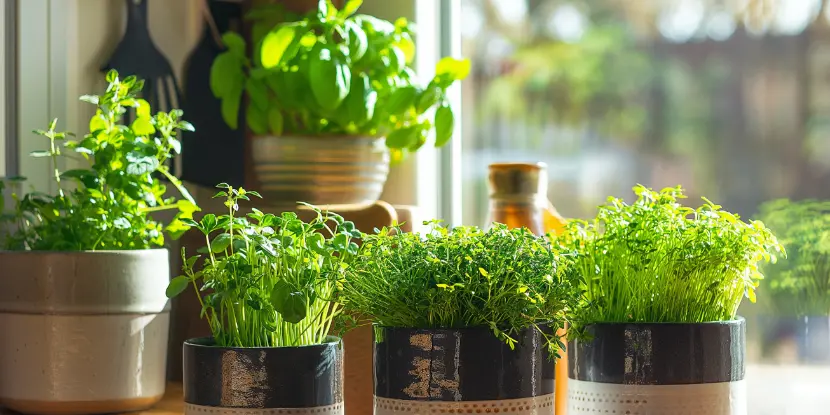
[(504, 279), (657, 261), (800, 284), (267, 280)]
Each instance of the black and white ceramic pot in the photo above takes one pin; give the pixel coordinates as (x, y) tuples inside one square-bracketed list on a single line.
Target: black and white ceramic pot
[(659, 369), (263, 381), (455, 371)]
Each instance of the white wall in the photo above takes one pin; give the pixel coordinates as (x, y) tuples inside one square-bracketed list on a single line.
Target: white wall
[(62, 46)]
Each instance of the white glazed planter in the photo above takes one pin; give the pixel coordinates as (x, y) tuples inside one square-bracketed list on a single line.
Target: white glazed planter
[(325, 170), (83, 332)]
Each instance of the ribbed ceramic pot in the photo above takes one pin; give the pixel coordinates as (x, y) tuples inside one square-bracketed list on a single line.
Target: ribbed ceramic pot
[(328, 170), (263, 381), (461, 371), (83, 332), (659, 369)]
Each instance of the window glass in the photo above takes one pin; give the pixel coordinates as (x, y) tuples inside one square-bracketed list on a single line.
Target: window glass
[(730, 99)]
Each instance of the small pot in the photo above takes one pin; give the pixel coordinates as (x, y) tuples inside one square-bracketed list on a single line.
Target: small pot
[(83, 332), (659, 368), (283, 380), (325, 170), (461, 371)]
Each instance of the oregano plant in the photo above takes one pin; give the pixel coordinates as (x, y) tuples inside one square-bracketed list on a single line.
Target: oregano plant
[(335, 72), (107, 204)]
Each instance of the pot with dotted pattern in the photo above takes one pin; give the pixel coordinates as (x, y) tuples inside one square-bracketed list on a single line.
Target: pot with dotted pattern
[(659, 369), (263, 380), (460, 371)]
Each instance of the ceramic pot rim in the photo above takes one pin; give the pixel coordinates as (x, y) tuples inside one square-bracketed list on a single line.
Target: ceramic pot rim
[(446, 329), (133, 252), (739, 320), (199, 343)]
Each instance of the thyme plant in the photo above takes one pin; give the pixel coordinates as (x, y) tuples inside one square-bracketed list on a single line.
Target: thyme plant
[(267, 280), (656, 260), (800, 284), (503, 279), (107, 204)]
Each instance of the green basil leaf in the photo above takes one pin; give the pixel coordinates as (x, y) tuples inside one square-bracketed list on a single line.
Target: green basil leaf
[(258, 92), (177, 286), (274, 45), (428, 98), (358, 43), (220, 243), (401, 100), (275, 121), (360, 104), (143, 126), (234, 43), (453, 69), (256, 119), (444, 124), (403, 138), (289, 303), (226, 75), (330, 77), (230, 109), (350, 8)]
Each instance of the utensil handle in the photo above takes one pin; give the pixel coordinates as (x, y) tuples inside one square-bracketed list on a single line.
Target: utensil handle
[(136, 15)]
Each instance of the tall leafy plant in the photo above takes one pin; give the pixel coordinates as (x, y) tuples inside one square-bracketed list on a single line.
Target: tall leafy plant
[(335, 72), (106, 205), (502, 279), (267, 280), (656, 260), (800, 284)]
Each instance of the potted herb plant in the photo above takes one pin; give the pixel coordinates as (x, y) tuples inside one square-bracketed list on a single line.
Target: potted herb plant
[(658, 332), (329, 96), (464, 319), (266, 289), (82, 309), (798, 287)]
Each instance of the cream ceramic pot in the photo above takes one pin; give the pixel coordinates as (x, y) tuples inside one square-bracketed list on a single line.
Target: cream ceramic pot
[(83, 332)]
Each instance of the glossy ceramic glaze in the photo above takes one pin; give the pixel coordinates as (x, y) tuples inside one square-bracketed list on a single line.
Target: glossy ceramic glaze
[(660, 354), (79, 323), (659, 369), (459, 365), (309, 377), (326, 170)]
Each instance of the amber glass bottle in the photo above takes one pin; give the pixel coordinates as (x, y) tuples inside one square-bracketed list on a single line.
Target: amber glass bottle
[(519, 198)]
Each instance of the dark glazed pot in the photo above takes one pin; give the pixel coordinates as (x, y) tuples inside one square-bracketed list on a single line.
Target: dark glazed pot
[(659, 368), (453, 370), (239, 381)]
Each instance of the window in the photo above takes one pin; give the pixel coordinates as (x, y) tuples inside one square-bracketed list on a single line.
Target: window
[(727, 98)]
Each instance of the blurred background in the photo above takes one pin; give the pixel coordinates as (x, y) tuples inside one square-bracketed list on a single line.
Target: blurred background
[(728, 98)]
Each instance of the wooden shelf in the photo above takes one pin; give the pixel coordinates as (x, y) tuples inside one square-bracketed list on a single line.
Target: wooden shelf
[(171, 404)]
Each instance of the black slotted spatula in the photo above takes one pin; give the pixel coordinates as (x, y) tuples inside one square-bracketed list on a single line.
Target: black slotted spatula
[(136, 54)]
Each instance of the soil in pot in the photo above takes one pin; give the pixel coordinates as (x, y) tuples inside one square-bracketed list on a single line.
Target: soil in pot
[(659, 369), (458, 370), (297, 380)]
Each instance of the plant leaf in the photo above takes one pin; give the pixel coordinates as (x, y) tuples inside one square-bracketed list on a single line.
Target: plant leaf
[(444, 124), (177, 286), (275, 44)]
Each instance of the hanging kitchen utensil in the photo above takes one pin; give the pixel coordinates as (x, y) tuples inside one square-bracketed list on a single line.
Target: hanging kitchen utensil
[(136, 54), (214, 153)]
